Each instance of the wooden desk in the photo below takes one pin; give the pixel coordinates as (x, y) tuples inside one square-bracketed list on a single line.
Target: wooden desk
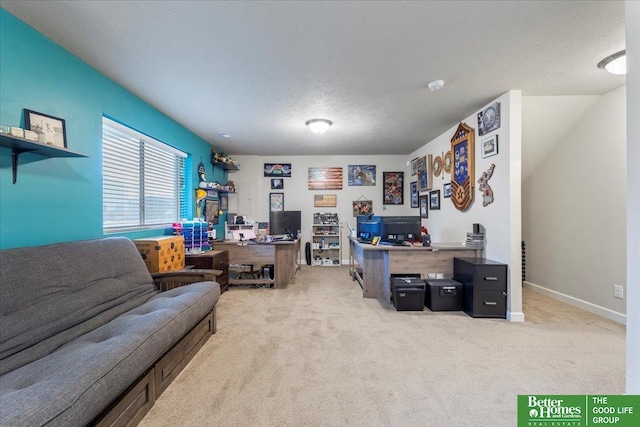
[(285, 257), (377, 263)]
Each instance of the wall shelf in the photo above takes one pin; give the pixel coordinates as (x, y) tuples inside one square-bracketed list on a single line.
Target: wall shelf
[(225, 166), (21, 145)]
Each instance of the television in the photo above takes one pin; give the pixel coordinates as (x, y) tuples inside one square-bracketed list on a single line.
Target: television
[(398, 229), (367, 227), (285, 223)]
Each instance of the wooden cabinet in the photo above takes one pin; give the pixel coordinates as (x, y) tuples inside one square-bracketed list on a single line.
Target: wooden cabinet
[(484, 286), (216, 260), (325, 240)]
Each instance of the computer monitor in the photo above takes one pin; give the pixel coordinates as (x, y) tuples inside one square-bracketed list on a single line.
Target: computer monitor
[(398, 229), (367, 227), (285, 222)]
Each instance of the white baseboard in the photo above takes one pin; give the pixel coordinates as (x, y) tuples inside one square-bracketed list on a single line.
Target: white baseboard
[(515, 316), (577, 302)]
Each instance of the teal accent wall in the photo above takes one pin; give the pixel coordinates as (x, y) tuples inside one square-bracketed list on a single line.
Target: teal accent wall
[(60, 199)]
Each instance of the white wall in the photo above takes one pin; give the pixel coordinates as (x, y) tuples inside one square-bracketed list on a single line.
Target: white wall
[(573, 208), (501, 219), (253, 189), (633, 197)]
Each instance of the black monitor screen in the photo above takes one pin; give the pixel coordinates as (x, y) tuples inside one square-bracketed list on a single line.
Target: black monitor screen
[(285, 222), (400, 228), (368, 226)]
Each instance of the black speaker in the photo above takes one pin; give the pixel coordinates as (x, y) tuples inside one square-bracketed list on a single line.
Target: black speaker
[(426, 240)]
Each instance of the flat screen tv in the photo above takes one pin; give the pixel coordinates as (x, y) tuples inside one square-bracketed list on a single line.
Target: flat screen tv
[(285, 222), (368, 226), (398, 229)]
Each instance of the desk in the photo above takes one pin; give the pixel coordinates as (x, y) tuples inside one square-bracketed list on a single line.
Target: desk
[(213, 260), (377, 263), (285, 257)]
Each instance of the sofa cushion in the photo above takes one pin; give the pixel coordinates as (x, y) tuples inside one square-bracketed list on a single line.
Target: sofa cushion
[(77, 381), (73, 288)]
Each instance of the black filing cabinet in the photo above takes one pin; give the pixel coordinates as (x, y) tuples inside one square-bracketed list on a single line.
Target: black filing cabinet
[(484, 286)]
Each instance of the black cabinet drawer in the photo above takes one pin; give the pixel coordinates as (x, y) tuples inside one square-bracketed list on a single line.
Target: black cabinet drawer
[(487, 304), (490, 278), (484, 284)]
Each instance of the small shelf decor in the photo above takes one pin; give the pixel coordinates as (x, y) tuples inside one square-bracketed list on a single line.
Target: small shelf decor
[(223, 161)]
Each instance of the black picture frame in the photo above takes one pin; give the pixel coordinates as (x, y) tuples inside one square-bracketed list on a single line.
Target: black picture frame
[(51, 130), (424, 206), (393, 188), (277, 170), (277, 184), (414, 194), (434, 200), (276, 202), (446, 190)]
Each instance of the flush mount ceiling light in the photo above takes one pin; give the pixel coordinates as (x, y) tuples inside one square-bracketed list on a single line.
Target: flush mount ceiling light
[(319, 125), (615, 64), (436, 85), (224, 134)]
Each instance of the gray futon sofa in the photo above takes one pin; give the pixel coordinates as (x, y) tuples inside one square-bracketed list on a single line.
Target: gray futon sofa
[(86, 335)]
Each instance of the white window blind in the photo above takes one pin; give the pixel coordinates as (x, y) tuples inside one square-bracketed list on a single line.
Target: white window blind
[(143, 180)]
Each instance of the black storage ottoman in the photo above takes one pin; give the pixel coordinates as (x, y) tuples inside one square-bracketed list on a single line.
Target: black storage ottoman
[(443, 295), (408, 293)]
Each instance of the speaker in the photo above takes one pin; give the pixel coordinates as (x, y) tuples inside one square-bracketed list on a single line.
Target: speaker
[(426, 240)]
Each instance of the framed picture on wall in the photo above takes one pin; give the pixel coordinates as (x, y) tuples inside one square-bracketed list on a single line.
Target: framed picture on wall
[(277, 184), (360, 175), (414, 194), (424, 206), (276, 202), (446, 189), (434, 200), (490, 146), (393, 188), (224, 202), (425, 173)]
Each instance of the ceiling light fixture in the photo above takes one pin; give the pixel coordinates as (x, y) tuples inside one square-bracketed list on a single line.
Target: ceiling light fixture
[(318, 125), (436, 85), (616, 63), (224, 134)]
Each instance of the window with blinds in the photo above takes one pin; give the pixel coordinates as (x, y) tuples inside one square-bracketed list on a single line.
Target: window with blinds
[(143, 180)]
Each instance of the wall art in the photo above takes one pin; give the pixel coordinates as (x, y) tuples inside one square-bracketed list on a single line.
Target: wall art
[(282, 170), (446, 190), (489, 119), (437, 166), (361, 175), (325, 200), (276, 202), (462, 178), (424, 206), (447, 161), (434, 200), (485, 188), (277, 184), (51, 130), (393, 188), (414, 194), (490, 146), (224, 202), (425, 174), (362, 207), (325, 178), (414, 166)]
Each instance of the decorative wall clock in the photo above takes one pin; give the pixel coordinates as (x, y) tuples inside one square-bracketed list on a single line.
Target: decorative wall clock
[(462, 178), (437, 166)]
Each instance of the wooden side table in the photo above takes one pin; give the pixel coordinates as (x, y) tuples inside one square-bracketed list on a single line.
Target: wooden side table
[(216, 260)]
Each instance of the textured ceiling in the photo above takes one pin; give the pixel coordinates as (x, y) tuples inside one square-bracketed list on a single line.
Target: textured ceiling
[(260, 70)]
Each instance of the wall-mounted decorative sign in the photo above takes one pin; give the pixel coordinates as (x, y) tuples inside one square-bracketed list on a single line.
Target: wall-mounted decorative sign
[(325, 178), (325, 200), (276, 202), (277, 184), (282, 170), (424, 206), (414, 166), (434, 200), (425, 174), (393, 188), (51, 130), (414, 194), (362, 175), (489, 119), (484, 188), (462, 178), (446, 190), (490, 146), (362, 207)]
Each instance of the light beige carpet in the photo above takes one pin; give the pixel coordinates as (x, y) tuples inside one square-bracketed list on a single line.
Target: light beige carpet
[(318, 354)]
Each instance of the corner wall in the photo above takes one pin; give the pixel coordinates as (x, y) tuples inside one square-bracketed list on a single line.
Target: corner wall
[(573, 208), (500, 219)]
